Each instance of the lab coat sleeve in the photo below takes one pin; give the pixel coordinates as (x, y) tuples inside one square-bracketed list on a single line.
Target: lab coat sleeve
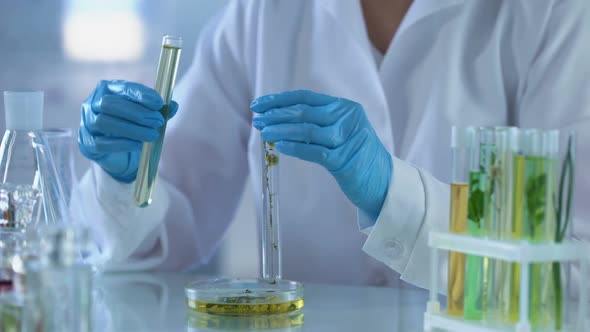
[(416, 204), (203, 166), (119, 228)]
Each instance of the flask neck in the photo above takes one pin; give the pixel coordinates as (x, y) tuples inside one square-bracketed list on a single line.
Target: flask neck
[(23, 110)]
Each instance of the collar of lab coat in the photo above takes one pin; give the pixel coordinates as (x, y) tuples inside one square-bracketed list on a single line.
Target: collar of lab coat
[(350, 11)]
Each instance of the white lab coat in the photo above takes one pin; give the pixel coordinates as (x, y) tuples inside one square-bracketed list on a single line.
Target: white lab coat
[(452, 62)]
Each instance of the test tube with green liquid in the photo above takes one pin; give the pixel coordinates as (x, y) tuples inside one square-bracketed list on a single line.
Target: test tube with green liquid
[(150, 152), (476, 281)]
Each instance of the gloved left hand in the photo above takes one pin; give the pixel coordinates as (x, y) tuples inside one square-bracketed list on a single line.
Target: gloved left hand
[(332, 132)]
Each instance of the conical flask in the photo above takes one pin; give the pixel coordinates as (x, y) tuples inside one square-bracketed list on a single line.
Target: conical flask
[(31, 191), (61, 142)]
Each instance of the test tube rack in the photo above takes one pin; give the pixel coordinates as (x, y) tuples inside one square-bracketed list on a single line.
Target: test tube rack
[(522, 252)]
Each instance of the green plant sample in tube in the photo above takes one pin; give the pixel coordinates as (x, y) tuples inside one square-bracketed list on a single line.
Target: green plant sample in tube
[(474, 280), (532, 205)]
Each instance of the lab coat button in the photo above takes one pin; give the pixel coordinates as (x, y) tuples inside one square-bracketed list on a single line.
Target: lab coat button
[(393, 249)]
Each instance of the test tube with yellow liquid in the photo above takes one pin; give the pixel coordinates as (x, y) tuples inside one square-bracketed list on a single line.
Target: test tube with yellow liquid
[(534, 219), (544, 307), (462, 141), (501, 178), (150, 152)]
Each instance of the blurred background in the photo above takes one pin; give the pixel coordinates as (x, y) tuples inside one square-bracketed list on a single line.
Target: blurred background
[(64, 47)]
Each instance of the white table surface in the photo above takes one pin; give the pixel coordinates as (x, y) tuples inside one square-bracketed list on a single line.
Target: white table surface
[(156, 302)]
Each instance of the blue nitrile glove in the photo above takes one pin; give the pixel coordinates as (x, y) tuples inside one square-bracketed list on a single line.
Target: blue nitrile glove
[(116, 119), (333, 132)]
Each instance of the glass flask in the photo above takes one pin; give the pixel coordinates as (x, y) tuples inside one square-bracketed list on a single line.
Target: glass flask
[(61, 142), (27, 168)]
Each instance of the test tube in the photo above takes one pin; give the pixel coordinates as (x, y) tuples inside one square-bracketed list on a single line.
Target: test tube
[(271, 246), (150, 152), (531, 202), (564, 230), (543, 229), (551, 155), (476, 266), (502, 178), (462, 142), (497, 163), (522, 146), (506, 140)]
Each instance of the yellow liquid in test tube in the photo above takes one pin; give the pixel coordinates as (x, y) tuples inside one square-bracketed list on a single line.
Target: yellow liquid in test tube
[(517, 232), (150, 153), (456, 273)]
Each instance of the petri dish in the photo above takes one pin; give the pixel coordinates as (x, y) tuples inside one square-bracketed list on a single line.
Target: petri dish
[(244, 297), (197, 321)]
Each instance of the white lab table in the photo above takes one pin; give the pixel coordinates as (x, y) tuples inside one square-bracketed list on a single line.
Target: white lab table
[(156, 302)]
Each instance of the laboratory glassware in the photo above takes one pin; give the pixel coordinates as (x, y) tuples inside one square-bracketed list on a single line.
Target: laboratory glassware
[(269, 295), (8, 250), (271, 249), (571, 251), (462, 141), (495, 160), (528, 228), (16, 213), (150, 153), (27, 168), (527, 146), (12, 280), (563, 218), (200, 322), (540, 204), (61, 142), (535, 184), (59, 283), (476, 266), (244, 297), (501, 178)]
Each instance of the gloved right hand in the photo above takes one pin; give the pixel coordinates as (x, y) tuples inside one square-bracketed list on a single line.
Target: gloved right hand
[(116, 119)]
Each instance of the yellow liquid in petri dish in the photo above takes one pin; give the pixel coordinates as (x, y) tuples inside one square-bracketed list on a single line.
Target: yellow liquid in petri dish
[(234, 307), (244, 297), (209, 322)]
